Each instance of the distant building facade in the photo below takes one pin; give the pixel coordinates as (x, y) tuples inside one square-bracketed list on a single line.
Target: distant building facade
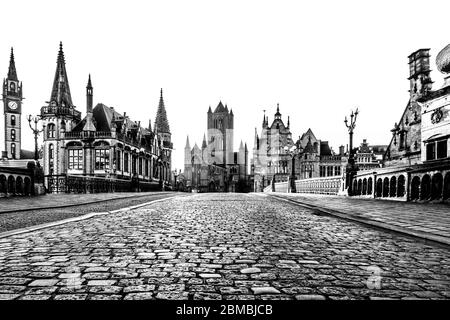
[(416, 164), (274, 148), (105, 144), (215, 166)]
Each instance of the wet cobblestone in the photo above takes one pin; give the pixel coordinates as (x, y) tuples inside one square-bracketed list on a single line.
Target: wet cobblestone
[(220, 246)]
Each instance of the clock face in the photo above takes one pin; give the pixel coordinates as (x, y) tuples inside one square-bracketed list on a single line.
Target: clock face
[(12, 105)]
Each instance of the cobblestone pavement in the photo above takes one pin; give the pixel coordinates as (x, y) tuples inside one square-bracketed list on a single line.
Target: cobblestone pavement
[(415, 218), (86, 203), (220, 246)]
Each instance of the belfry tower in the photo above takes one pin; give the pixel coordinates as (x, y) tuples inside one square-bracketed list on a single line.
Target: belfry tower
[(12, 103)]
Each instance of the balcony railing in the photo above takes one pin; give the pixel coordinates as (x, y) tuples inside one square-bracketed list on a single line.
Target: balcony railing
[(88, 134), (57, 111)]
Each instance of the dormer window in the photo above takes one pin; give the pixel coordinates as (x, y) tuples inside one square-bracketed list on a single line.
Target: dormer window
[(12, 86)]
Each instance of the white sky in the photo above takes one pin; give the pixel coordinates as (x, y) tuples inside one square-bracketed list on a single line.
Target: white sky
[(318, 59)]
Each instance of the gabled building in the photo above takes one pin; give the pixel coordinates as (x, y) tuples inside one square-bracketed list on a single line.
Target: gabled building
[(104, 144)]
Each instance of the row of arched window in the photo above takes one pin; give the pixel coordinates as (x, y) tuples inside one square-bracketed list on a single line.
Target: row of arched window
[(16, 186), (427, 187), (435, 187)]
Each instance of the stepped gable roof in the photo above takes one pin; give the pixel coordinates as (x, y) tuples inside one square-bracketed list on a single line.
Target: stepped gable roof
[(364, 148)]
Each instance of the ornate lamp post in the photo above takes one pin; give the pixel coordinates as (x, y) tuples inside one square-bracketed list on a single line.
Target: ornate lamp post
[(292, 152), (36, 132), (351, 167)]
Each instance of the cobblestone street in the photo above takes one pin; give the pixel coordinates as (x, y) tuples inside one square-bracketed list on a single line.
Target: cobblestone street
[(220, 246)]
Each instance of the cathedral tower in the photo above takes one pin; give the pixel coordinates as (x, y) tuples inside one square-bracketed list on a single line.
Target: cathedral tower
[(220, 134), (12, 102)]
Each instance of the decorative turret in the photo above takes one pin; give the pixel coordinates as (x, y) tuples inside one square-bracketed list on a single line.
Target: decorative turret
[(60, 95), (161, 122), (89, 125)]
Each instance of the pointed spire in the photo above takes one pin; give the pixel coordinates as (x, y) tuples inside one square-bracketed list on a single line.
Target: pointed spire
[(288, 123), (245, 147), (61, 90), (89, 84), (231, 111), (204, 142), (209, 110), (241, 146), (150, 125), (188, 145), (12, 73), (161, 122)]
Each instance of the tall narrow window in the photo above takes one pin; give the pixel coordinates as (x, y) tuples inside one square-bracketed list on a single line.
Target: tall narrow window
[(125, 162), (50, 151), (51, 130), (76, 159), (442, 149), (140, 166), (101, 159), (431, 151), (13, 150), (118, 161), (13, 120), (13, 134)]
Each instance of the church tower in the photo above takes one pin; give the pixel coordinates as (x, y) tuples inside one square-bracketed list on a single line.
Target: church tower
[(59, 116), (220, 134), (12, 102), (162, 129)]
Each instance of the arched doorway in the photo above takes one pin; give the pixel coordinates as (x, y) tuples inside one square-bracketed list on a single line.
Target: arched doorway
[(2, 184), (11, 185), (27, 186), (359, 187), (379, 188), (415, 188), (364, 186), (436, 186), (355, 187), (19, 185), (369, 186), (447, 186), (425, 187), (401, 186), (386, 187), (393, 187), (212, 187)]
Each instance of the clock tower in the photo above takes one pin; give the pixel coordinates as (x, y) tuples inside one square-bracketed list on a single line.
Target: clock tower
[(12, 101)]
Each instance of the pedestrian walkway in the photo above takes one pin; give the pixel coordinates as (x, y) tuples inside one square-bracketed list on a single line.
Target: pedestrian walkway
[(61, 200), (428, 221)]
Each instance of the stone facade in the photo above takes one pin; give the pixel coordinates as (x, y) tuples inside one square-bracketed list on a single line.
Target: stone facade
[(105, 143)]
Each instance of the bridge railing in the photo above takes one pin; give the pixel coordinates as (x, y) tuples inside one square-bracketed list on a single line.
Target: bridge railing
[(88, 184), (324, 185)]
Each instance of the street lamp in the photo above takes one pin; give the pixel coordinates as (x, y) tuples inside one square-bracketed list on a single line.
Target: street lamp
[(36, 132), (292, 152), (175, 175), (351, 168), (161, 186)]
